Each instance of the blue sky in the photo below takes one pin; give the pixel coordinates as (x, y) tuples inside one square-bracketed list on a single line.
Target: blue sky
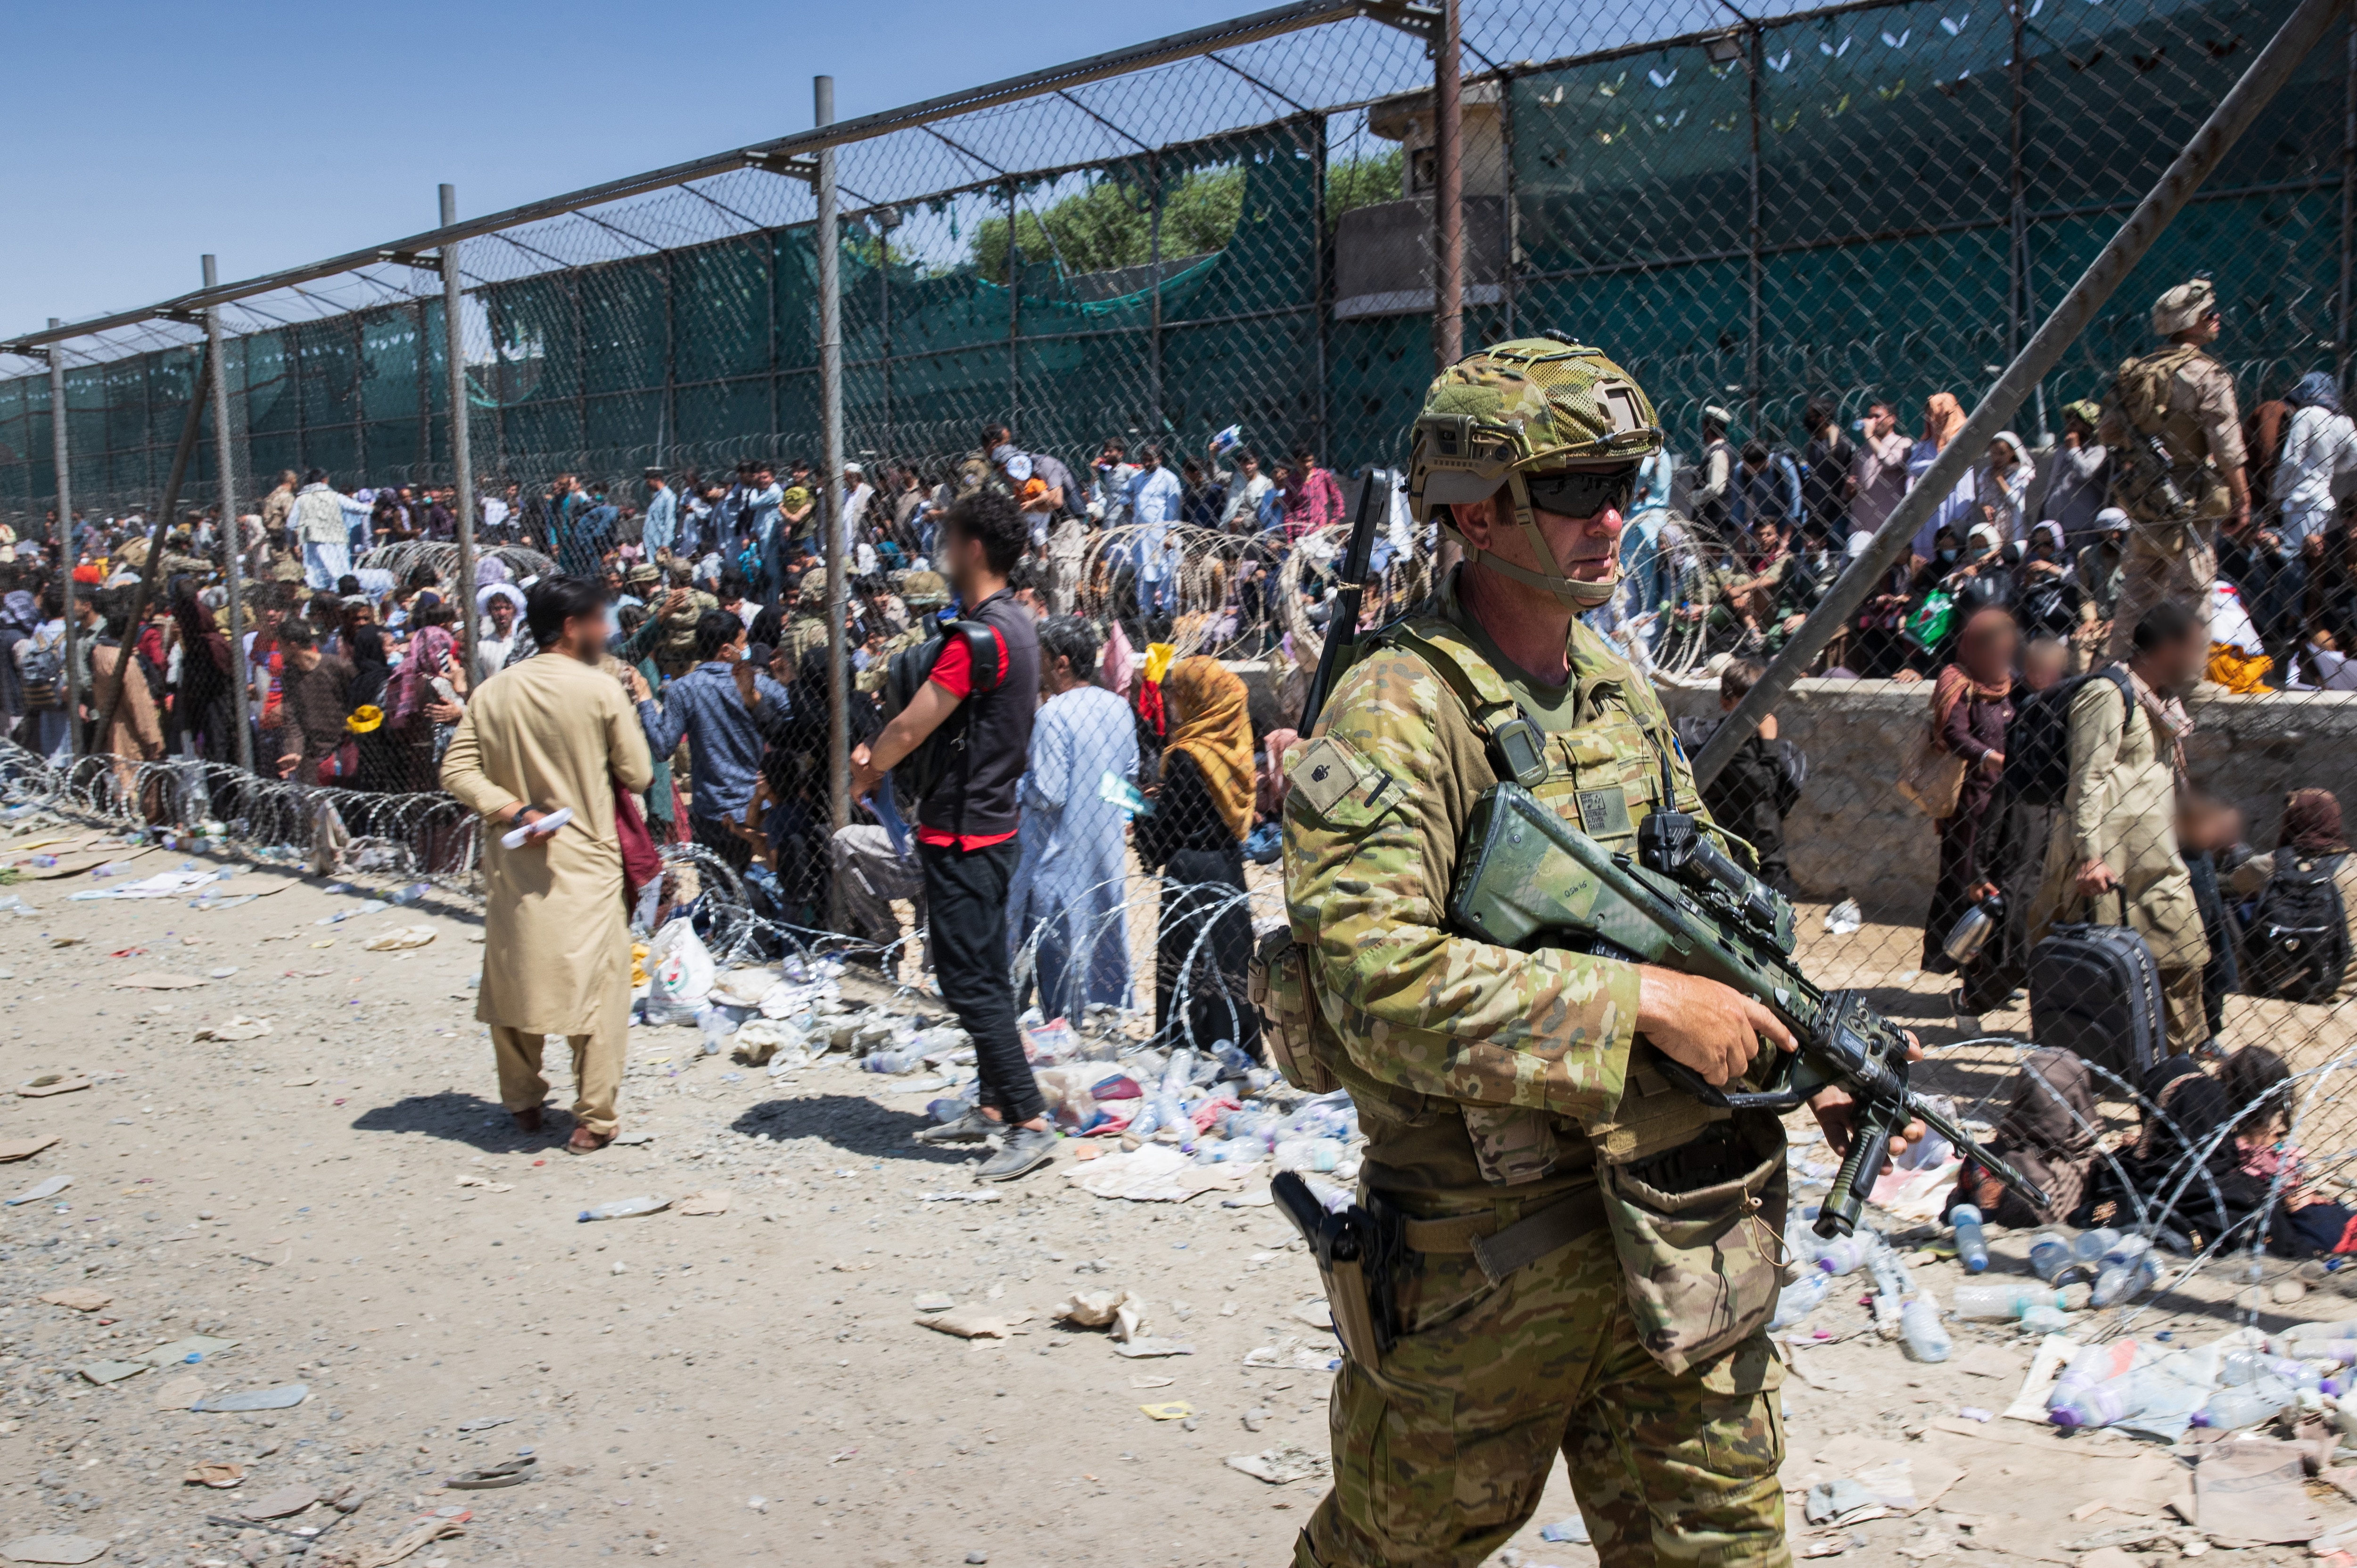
[(121, 167)]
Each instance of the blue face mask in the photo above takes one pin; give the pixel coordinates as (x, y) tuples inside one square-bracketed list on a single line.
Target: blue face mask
[(1947, 555)]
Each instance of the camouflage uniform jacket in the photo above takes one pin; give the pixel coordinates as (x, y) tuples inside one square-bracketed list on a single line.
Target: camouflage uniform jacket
[(1469, 1062), (676, 650), (2201, 428)]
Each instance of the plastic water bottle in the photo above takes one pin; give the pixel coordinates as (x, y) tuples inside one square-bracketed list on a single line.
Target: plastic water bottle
[(2072, 1402), (1799, 1298), (2342, 1351), (1308, 1153), (2101, 1404), (2087, 1248), (2003, 1301), (2231, 1409), (2128, 1270), (1920, 1328), (2044, 1319), (2050, 1254), (1843, 1254), (1233, 1063), (889, 1061), (715, 1027), (1972, 1242), (625, 1208), (2246, 1367)]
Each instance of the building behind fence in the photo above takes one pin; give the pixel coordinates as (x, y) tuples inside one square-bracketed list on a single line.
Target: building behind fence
[(1859, 202)]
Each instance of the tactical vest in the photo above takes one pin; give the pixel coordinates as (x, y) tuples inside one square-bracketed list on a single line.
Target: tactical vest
[(1604, 775), (2144, 391)]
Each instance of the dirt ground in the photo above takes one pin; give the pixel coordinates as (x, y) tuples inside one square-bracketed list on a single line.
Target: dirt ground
[(344, 1198)]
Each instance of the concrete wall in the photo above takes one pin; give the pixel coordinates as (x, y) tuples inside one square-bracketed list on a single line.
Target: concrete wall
[(1853, 831)]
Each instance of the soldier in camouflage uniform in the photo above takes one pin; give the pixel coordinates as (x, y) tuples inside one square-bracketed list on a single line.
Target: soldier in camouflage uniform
[(806, 627), (923, 593), (2196, 418), (1509, 1103)]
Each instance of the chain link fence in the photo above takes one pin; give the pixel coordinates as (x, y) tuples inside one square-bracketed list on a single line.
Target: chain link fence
[(1779, 225)]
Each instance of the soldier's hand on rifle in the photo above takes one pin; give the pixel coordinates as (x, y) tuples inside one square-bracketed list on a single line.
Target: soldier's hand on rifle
[(1836, 1113), (1712, 1028)]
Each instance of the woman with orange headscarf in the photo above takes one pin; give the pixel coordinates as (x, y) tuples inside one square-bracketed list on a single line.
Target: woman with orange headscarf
[(1194, 838), (1971, 707), (1943, 420)]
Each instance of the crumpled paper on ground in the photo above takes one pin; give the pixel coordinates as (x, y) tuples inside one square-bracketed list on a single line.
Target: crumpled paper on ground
[(399, 938), (1157, 1172), (1287, 1462), (239, 1027), (1917, 1195), (971, 1323)]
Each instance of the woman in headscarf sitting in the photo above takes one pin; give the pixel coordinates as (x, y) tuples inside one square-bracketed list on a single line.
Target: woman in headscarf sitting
[(1971, 707), (1194, 838), (2183, 1173), (2048, 1134), (2311, 836)]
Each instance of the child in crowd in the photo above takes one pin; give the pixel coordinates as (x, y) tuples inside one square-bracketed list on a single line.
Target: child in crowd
[(2257, 1087)]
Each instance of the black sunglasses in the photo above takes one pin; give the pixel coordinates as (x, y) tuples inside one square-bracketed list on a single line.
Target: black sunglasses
[(1582, 492)]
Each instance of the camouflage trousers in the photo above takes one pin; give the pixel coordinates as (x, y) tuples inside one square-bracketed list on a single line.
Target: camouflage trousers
[(2153, 572), (1441, 1455)]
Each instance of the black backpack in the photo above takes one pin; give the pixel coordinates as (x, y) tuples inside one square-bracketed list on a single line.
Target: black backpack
[(2296, 946), (921, 772), (2038, 742)]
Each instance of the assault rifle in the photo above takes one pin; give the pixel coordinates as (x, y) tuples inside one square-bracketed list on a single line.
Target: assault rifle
[(1529, 879), (1350, 588)]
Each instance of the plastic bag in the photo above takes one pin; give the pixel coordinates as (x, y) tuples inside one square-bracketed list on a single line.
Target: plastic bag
[(680, 973)]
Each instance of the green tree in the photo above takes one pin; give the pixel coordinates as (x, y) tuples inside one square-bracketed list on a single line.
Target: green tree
[(1362, 182), (1109, 225)]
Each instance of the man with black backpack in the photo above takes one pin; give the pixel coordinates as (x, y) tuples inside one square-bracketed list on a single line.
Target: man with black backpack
[(2114, 860), (964, 732)]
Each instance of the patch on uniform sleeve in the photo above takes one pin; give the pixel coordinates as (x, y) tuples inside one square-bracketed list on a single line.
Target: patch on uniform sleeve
[(1327, 771)]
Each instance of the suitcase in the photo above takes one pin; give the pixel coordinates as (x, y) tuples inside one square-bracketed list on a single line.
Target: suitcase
[(2095, 990)]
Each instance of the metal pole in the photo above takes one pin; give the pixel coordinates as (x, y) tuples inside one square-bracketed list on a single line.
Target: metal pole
[(1155, 422), (462, 453), (233, 546), (65, 542), (1754, 58), (2274, 67), (830, 423), (2348, 208), (1448, 189)]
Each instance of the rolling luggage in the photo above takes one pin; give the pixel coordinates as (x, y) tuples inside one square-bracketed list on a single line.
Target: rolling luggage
[(2096, 990)]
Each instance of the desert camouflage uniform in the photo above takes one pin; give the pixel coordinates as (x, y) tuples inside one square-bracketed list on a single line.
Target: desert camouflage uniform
[(2202, 430), (806, 627), (1488, 1082)]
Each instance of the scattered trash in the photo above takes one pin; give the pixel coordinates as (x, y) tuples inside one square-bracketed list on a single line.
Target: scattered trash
[(284, 1502), (284, 1397), (78, 1297), (1572, 1530), (15, 1149), (490, 1477), (935, 1303), (400, 938), (1175, 1410), (53, 1549), (1283, 1464), (219, 1473), (625, 1208), (179, 1393), (239, 1027), (484, 1423), (969, 1322), (105, 1372), (51, 1083), (484, 1182), (50, 1189), (1845, 918), (715, 1201)]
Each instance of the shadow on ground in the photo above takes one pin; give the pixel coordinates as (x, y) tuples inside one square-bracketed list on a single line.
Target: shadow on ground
[(461, 1118), (855, 1124)]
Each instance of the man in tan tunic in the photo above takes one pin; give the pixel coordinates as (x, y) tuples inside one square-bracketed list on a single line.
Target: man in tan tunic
[(2113, 858), (548, 733), (2201, 427)]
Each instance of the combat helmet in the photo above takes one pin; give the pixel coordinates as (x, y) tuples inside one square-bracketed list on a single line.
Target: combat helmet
[(1517, 411)]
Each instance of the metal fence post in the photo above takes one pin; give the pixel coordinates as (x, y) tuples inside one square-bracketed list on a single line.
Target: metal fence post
[(233, 545), (1447, 188), (66, 544), (2193, 163), (462, 470), (831, 485)]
